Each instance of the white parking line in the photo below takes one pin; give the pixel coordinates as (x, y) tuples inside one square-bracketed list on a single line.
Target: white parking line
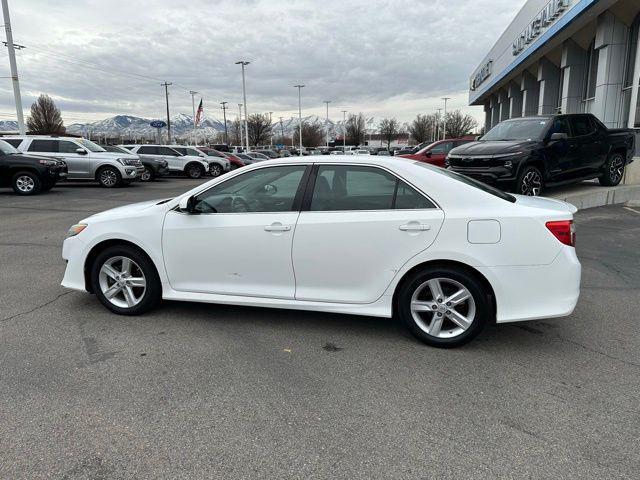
[(632, 209)]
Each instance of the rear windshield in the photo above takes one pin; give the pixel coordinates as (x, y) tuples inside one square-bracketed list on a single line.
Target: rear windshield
[(471, 182)]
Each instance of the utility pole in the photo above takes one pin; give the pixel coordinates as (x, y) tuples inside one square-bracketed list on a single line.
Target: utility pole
[(444, 119), (244, 98), (14, 67), (438, 123), (344, 131), (282, 130), (326, 123), (270, 131), (299, 87), (240, 113), (224, 115), (166, 94), (193, 105)]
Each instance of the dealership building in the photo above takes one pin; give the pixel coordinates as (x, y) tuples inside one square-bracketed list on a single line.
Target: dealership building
[(567, 56)]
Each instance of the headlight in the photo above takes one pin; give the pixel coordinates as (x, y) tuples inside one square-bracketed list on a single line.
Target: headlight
[(48, 163), (128, 161), (76, 229)]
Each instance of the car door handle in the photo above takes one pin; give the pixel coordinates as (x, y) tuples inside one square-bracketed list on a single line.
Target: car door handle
[(277, 227), (415, 227)]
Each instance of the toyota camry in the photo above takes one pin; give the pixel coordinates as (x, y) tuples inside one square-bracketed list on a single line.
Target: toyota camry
[(374, 236)]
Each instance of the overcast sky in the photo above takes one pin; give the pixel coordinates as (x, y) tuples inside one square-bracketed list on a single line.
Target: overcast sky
[(384, 58)]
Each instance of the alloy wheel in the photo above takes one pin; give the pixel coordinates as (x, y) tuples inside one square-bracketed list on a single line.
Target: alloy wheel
[(108, 177), (215, 170), (616, 169), (443, 308), (146, 175), (122, 282), (25, 184), (531, 184)]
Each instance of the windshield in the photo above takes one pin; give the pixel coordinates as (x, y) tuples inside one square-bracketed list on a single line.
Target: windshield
[(89, 145), (470, 181), (7, 148), (525, 129)]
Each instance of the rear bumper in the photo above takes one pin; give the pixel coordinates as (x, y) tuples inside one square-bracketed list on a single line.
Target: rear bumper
[(536, 292)]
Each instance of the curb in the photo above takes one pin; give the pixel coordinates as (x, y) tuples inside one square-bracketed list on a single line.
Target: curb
[(596, 196)]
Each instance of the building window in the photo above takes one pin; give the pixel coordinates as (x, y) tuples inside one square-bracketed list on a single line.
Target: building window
[(629, 74), (560, 90), (592, 73)]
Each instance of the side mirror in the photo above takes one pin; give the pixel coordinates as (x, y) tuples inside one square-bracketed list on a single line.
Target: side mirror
[(81, 151), (427, 154), (187, 204), (558, 137)]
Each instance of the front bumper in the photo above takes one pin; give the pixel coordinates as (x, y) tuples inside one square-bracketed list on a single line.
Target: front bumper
[(502, 177), (74, 252)]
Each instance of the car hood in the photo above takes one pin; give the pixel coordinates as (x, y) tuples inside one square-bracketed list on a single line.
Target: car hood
[(125, 211), (546, 203), (492, 148)]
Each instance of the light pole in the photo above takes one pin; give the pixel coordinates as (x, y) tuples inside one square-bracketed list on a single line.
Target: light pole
[(300, 87), (224, 115), (166, 93), (244, 99), (344, 131), (240, 113), (270, 131), (282, 130), (444, 119), (326, 123), (14, 67), (438, 123), (193, 106)]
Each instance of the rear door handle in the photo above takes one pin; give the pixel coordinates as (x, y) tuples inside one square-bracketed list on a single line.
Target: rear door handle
[(415, 227), (277, 227)]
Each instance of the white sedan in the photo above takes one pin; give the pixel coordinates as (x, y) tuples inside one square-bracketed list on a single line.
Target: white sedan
[(368, 236)]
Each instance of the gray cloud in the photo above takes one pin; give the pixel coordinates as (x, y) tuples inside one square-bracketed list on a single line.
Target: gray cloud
[(392, 58)]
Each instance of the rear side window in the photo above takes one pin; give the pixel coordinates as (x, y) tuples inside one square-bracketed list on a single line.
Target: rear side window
[(46, 146), (582, 125), (167, 151), (343, 188), (147, 150), (15, 142)]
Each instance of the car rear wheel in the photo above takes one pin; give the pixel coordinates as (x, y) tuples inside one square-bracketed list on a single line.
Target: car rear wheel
[(613, 170), (195, 171), (530, 182), (215, 170), (146, 175), (125, 281), (443, 306), (109, 177), (26, 183)]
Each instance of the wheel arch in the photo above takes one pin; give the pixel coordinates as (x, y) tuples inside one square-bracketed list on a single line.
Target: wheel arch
[(193, 162), (100, 247), (102, 166), (451, 264)]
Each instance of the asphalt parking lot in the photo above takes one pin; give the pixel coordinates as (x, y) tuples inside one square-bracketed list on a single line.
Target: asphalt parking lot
[(207, 391)]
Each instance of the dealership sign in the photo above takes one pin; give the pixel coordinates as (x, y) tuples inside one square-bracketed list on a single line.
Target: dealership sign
[(546, 17), (481, 76), (158, 124)]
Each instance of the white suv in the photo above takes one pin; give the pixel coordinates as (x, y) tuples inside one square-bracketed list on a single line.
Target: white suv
[(192, 166), (85, 159), (217, 165)]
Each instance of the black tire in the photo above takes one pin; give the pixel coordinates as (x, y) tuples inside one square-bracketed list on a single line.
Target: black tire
[(149, 298), (613, 170), (147, 175), (26, 183), (215, 170), (530, 182), (195, 171), (109, 177), (451, 280)]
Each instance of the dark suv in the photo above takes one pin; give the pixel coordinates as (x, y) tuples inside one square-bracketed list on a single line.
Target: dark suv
[(27, 174), (525, 155)]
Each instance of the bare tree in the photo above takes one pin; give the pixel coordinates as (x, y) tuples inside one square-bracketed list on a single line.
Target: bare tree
[(234, 132), (421, 129), (355, 128), (259, 127), (312, 134), (389, 130), (459, 124), (45, 118)]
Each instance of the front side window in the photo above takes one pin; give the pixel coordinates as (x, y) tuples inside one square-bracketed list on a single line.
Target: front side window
[(147, 150), (342, 188), (67, 147), (581, 125), (89, 145), (270, 189), (442, 148), (168, 151), (14, 141), (560, 125)]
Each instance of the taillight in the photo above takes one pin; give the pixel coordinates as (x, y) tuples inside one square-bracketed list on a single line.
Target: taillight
[(564, 231)]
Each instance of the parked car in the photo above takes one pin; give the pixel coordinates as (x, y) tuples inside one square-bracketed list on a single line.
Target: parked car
[(245, 158), (257, 156), (269, 153), (27, 174), (192, 166), (526, 155), (152, 168), (221, 147), (85, 160), (457, 252), (435, 153), (218, 164), (361, 151)]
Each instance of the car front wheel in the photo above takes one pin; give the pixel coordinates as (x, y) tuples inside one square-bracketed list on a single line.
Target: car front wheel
[(613, 170), (109, 177), (125, 281), (215, 170), (443, 306), (26, 183), (530, 182), (195, 171)]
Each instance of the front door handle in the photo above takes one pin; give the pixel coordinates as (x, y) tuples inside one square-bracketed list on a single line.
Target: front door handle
[(277, 227), (415, 227)]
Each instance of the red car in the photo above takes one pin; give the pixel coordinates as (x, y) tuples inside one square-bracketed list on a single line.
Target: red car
[(436, 152), (235, 161)]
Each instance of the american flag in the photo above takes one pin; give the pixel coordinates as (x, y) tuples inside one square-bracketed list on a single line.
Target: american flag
[(199, 112)]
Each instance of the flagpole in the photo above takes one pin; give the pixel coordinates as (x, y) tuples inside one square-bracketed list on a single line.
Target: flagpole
[(193, 105)]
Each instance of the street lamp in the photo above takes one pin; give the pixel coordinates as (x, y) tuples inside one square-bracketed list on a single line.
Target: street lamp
[(282, 130), (270, 131), (244, 99), (326, 123), (240, 113), (300, 87), (344, 131), (224, 115), (444, 119), (437, 122)]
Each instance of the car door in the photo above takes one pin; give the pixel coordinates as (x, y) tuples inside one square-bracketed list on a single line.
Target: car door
[(588, 158), (438, 153), (173, 158), (562, 155), (239, 241), (359, 225), (82, 162)]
